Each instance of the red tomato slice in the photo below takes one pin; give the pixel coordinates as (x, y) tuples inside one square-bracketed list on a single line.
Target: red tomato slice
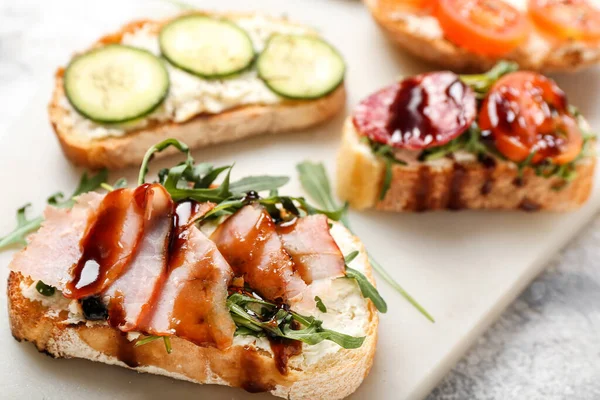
[(527, 112), (487, 27), (420, 112), (391, 5), (566, 19)]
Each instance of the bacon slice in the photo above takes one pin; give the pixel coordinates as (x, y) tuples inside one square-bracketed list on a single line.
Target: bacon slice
[(313, 249), (249, 242), (110, 242), (192, 303), (133, 293), (54, 249)]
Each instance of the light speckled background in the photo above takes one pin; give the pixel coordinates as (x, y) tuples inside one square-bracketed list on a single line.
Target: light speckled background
[(545, 346)]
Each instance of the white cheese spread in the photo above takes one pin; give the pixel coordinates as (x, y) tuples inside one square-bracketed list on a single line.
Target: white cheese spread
[(190, 95)]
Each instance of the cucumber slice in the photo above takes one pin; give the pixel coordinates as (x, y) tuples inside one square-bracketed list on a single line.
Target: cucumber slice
[(208, 47), (116, 83), (300, 67)]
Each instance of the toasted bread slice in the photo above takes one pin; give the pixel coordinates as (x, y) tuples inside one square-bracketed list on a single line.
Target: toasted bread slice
[(422, 36), (202, 130), (334, 375), (452, 184)]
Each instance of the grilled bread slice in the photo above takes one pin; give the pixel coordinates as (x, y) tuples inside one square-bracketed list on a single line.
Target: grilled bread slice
[(422, 36), (332, 375), (461, 183), (234, 123)]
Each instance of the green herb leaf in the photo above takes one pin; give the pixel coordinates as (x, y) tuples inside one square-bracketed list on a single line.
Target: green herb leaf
[(258, 184), (87, 183), (190, 181), (351, 256), (90, 183), (24, 227), (315, 182), (149, 339), (120, 184), (387, 179), (168, 347), (367, 289), (256, 316), (314, 334), (146, 340), (157, 148), (45, 290), (320, 304), (481, 83), (306, 168)]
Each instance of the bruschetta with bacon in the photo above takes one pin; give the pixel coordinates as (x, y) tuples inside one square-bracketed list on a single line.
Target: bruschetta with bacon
[(199, 281), (506, 139), (472, 35)]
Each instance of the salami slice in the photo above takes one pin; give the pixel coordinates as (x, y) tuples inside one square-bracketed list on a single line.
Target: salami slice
[(420, 112)]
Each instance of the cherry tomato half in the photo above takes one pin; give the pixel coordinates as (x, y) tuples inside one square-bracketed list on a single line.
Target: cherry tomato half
[(420, 112), (527, 113), (487, 27), (388, 6), (566, 19)]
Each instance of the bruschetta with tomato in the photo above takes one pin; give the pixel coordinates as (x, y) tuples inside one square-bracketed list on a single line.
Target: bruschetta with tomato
[(506, 139), (472, 35), (204, 282)]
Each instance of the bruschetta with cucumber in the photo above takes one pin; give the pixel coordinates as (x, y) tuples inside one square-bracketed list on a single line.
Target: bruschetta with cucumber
[(204, 78), (507, 139), (472, 35)]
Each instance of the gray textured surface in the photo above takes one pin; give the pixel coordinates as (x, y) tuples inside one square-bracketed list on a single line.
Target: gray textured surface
[(545, 346)]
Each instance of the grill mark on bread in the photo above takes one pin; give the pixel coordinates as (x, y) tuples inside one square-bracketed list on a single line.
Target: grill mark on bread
[(422, 188), (490, 165), (528, 205), (126, 350), (459, 174)]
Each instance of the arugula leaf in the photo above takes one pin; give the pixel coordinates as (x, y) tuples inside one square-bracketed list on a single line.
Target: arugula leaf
[(120, 184), (274, 321), (45, 290), (387, 179), (86, 184), (258, 184), (90, 183), (386, 152), (24, 227), (366, 288), (152, 338), (320, 305), (481, 83), (181, 4), (314, 180), (314, 333), (351, 256), (188, 180), (157, 148), (319, 185)]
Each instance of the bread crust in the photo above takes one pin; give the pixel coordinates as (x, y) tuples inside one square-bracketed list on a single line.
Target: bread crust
[(448, 184), (334, 376), (201, 131), (559, 58)]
